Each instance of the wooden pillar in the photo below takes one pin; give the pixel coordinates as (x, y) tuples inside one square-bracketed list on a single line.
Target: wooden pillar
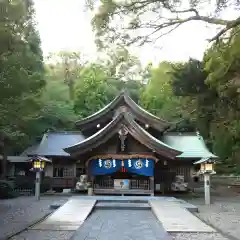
[(152, 185)]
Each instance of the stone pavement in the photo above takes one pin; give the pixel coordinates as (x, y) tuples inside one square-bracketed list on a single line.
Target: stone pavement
[(121, 225), (18, 213), (175, 218), (68, 217)]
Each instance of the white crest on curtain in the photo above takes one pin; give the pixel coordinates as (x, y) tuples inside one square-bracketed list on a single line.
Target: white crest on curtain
[(147, 163), (129, 162)]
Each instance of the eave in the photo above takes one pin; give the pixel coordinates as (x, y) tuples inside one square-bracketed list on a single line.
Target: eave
[(124, 100), (134, 129)]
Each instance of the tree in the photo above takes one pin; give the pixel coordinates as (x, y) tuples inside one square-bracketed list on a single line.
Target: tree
[(68, 65), (158, 96), (188, 81), (222, 65), (21, 68), (121, 64), (92, 92), (214, 87), (56, 112), (98, 87), (142, 21)]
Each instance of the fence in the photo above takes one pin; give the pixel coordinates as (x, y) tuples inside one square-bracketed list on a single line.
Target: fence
[(24, 191)]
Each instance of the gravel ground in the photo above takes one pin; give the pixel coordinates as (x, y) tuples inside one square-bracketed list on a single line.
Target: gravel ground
[(223, 215), (44, 235), (18, 213), (197, 236)]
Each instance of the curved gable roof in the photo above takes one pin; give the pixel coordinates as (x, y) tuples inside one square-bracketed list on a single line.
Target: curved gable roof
[(136, 110), (133, 128)]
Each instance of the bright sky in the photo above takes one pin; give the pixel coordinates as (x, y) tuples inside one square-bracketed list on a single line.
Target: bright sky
[(64, 25)]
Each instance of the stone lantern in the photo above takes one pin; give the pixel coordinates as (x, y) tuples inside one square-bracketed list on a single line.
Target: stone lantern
[(38, 165), (206, 169)]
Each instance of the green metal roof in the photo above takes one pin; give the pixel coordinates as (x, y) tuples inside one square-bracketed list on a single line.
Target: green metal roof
[(192, 145), (204, 160)]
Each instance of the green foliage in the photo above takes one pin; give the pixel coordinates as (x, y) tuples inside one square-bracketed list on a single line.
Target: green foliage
[(97, 89), (6, 189), (35, 98), (183, 82), (92, 92), (137, 21), (158, 96), (21, 68), (214, 85)]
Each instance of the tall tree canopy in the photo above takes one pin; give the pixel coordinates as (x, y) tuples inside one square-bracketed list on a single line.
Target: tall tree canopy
[(159, 97), (67, 66), (141, 21), (21, 70), (21, 66), (96, 89), (214, 87)]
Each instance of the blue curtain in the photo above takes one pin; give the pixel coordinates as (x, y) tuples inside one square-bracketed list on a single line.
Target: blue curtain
[(104, 166), (140, 166)]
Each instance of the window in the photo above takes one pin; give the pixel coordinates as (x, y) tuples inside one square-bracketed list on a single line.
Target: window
[(58, 172), (62, 172), (80, 171)]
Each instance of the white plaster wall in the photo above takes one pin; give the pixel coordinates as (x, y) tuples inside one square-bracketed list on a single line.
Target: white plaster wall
[(49, 170)]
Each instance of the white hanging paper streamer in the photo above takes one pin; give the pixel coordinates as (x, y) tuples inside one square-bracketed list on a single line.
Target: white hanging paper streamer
[(100, 162), (147, 163), (129, 163), (114, 163)]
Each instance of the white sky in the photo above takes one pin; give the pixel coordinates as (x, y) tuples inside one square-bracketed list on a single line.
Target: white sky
[(63, 25)]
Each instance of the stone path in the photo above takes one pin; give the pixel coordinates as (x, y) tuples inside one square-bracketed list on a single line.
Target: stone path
[(121, 225), (175, 218), (68, 217)]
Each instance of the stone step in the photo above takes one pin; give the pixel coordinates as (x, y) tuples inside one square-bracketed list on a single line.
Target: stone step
[(122, 205)]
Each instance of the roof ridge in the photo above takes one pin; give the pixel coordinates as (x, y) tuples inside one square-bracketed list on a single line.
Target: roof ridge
[(182, 134), (66, 132), (134, 129)]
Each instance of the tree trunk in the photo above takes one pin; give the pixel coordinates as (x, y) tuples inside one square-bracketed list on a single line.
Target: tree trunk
[(4, 160)]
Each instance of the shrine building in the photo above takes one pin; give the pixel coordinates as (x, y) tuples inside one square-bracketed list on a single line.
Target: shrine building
[(123, 149)]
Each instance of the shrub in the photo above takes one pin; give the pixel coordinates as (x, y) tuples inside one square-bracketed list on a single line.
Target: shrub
[(7, 189)]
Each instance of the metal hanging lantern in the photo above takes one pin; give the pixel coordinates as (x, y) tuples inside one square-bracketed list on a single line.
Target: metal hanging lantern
[(39, 163)]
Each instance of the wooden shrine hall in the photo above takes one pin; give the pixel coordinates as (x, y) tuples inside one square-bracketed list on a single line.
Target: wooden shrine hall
[(123, 149)]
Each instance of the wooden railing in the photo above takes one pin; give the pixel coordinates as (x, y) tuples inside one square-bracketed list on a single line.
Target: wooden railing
[(134, 184), (140, 184), (104, 184), (63, 182)]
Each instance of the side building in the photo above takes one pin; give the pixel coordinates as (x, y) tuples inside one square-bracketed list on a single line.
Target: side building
[(123, 149)]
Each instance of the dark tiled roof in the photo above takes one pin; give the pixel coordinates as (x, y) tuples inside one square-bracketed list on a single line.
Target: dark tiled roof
[(53, 143), (30, 150), (16, 159)]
